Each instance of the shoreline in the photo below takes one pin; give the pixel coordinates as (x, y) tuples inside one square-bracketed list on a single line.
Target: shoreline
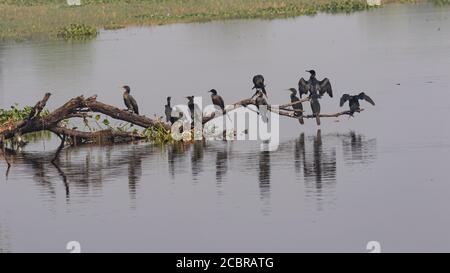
[(52, 19)]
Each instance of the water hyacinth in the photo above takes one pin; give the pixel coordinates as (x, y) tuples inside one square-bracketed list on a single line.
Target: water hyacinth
[(76, 31)]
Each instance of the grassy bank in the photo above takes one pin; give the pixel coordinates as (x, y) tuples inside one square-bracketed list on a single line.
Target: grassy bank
[(47, 19)]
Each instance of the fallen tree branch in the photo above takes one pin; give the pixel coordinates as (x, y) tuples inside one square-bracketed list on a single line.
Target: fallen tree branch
[(282, 110), (100, 137), (75, 107), (334, 115), (80, 107)]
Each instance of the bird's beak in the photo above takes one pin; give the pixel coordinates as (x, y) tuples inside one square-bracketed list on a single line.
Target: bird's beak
[(309, 71)]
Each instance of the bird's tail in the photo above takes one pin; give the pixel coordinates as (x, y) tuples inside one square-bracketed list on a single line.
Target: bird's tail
[(301, 120), (317, 119)]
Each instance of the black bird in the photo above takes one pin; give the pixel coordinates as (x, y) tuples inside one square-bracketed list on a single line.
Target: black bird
[(258, 83), (218, 101), (353, 101), (297, 106), (260, 100), (322, 87), (193, 108), (168, 110), (130, 102)]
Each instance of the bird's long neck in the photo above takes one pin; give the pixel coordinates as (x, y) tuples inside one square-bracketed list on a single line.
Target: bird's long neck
[(168, 102)]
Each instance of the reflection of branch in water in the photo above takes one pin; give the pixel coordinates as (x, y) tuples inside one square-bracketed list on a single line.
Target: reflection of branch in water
[(60, 147), (64, 178), (37, 163), (85, 173)]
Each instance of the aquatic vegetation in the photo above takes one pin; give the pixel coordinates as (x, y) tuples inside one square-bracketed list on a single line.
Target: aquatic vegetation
[(158, 135), (345, 6), (50, 19), (15, 114), (76, 31), (441, 2)]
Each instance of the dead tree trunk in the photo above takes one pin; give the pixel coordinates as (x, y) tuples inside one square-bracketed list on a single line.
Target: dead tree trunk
[(76, 107)]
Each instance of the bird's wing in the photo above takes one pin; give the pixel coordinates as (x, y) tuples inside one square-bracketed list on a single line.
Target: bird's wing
[(221, 102), (127, 104), (168, 112), (134, 104), (363, 96), (325, 86), (303, 87), (263, 89), (344, 98)]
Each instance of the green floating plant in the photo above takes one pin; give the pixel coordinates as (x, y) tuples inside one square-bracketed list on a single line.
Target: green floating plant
[(16, 114), (77, 31)]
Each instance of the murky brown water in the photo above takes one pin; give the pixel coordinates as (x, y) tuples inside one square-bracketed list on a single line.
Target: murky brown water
[(380, 176)]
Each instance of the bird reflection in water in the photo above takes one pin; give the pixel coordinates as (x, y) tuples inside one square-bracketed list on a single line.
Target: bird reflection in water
[(176, 154), (357, 149), (83, 170), (134, 172), (221, 168), (197, 159), (264, 180), (319, 168)]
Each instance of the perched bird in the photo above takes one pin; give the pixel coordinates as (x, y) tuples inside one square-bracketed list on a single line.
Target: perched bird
[(168, 112), (297, 106), (218, 101), (353, 101), (258, 84), (322, 87), (260, 100), (130, 102), (193, 108)]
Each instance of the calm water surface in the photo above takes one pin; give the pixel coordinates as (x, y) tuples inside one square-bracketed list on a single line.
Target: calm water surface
[(380, 176)]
